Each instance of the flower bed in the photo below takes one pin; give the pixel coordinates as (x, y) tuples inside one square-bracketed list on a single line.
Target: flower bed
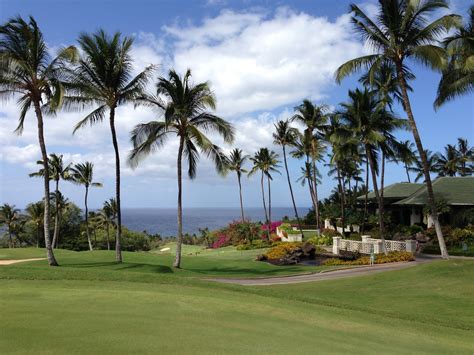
[(394, 256)]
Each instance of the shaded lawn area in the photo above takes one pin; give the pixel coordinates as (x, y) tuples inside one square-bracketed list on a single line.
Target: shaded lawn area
[(115, 309)]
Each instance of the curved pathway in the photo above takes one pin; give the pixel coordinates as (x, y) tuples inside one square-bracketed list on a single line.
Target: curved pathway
[(321, 276), (10, 262)]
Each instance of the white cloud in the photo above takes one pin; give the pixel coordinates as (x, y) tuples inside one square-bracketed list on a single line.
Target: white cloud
[(260, 62)]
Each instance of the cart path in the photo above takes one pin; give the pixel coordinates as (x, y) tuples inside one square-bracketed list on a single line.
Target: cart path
[(321, 276), (10, 262)]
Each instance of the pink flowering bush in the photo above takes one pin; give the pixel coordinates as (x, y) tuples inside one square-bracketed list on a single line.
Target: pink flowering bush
[(273, 226), (221, 241)]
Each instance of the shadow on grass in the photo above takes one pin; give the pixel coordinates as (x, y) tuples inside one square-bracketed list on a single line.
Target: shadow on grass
[(112, 265), (223, 271)]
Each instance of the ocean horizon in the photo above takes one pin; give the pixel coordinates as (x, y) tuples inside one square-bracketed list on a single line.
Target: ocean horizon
[(164, 220)]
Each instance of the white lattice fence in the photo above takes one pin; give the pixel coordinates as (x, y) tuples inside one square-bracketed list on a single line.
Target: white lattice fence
[(367, 245), (391, 245)]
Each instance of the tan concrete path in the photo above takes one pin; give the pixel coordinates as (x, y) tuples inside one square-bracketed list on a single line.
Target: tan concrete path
[(10, 262)]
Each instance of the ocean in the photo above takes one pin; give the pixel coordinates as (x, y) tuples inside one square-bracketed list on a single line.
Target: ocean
[(164, 220)]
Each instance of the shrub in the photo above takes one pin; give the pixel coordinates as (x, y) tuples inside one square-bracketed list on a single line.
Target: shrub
[(329, 232), (221, 241), (281, 250), (236, 233), (320, 240), (459, 235), (394, 256), (256, 244), (273, 226)]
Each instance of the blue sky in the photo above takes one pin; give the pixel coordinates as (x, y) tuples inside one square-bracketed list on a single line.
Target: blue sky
[(262, 59)]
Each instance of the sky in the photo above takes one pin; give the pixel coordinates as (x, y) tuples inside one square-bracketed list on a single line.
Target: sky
[(262, 58)]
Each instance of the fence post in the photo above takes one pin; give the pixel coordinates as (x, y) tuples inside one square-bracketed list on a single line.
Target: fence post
[(378, 247), (411, 246), (336, 241), (365, 237)]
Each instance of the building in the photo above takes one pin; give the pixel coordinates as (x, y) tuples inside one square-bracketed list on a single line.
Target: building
[(407, 201)]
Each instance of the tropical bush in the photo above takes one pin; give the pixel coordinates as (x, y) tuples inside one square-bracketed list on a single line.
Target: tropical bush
[(320, 240), (273, 226), (281, 250), (394, 256), (255, 244)]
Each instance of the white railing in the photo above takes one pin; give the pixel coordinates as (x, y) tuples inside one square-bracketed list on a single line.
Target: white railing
[(367, 245)]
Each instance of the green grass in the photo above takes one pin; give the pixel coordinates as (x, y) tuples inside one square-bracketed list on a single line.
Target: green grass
[(452, 250), (91, 305)]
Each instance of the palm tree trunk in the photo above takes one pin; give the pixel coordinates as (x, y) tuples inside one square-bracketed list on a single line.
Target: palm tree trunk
[(38, 235), (269, 204), (10, 239), (366, 200), (49, 250), (241, 201), (315, 189), (311, 187), (408, 174), (177, 260), (421, 152), (118, 249), (370, 157), (56, 217), (341, 192), (264, 205), (291, 190), (108, 238), (87, 219), (382, 177)]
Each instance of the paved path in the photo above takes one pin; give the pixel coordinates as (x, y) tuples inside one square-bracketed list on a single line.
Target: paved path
[(10, 262), (328, 275)]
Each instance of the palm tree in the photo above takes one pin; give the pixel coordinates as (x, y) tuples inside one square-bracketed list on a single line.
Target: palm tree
[(82, 174), (184, 107), (372, 126), (27, 70), (458, 76), (285, 135), (61, 203), (235, 161), (103, 77), (402, 30), (418, 167), (35, 213), (447, 164), (405, 154), (466, 156), (57, 171), (314, 118), (267, 162), (9, 215), (105, 218)]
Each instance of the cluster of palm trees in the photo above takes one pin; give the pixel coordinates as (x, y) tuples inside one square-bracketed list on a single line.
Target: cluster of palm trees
[(98, 76)]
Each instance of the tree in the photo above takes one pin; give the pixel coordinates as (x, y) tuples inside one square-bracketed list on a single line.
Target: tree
[(371, 125), (466, 157), (403, 30), (405, 154), (27, 71), (184, 107), (9, 215), (458, 76), (106, 216), (103, 77), (447, 164), (284, 136), (235, 162), (418, 167), (61, 204), (82, 174), (314, 118), (267, 162), (57, 171), (35, 213)]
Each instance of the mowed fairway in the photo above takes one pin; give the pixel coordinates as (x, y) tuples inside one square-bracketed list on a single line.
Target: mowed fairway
[(91, 305)]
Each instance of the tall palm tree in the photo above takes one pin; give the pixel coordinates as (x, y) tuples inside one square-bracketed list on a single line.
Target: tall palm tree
[(405, 154), (285, 135), (185, 110), (83, 174), (104, 221), (418, 167), (103, 78), (27, 71), (314, 118), (267, 162), (235, 162), (403, 30), (57, 171), (458, 76), (371, 125), (35, 213), (466, 157), (9, 215)]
